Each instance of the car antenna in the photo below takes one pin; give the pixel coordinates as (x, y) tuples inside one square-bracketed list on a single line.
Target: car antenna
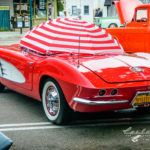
[(78, 53)]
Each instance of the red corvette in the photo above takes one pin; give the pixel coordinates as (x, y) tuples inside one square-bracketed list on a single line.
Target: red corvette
[(72, 65)]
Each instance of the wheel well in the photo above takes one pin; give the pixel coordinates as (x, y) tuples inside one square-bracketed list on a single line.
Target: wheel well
[(113, 24), (42, 81)]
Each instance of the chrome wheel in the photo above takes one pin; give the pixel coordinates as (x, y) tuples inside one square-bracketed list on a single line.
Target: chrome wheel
[(52, 100)]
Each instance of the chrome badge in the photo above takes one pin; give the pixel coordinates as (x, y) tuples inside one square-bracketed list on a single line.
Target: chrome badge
[(137, 69)]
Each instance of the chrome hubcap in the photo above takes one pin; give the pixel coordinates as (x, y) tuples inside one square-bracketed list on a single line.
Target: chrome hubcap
[(52, 100), (113, 26)]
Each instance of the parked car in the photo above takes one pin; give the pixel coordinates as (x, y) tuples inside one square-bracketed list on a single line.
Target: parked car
[(71, 65), (107, 22), (135, 35)]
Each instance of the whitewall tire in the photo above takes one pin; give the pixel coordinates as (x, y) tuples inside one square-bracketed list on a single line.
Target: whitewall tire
[(54, 103)]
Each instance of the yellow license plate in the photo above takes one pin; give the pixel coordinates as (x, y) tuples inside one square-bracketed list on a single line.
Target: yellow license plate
[(141, 98)]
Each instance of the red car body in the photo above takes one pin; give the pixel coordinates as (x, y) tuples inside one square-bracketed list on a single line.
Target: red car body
[(90, 83)]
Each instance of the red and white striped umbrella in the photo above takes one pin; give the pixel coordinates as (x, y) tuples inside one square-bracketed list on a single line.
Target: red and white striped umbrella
[(70, 35)]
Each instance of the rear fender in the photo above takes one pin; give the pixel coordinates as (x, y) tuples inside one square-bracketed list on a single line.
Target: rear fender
[(61, 70)]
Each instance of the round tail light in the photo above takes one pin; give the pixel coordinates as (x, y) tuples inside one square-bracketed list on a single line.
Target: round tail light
[(114, 92), (102, 92)]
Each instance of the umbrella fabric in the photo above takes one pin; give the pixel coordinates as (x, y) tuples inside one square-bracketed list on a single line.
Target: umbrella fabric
[(71, 36)]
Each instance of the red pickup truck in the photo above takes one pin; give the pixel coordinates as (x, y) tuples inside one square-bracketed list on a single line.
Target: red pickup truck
[(135, 34)]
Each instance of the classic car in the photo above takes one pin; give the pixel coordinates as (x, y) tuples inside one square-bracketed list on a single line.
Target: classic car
[(107, 22), (134, 36), (70, 65)]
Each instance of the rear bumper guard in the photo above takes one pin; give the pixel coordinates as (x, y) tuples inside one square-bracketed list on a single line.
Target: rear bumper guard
[(99, 102)]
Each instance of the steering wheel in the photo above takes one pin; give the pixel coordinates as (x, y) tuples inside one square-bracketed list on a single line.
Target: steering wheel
[(143, 19)]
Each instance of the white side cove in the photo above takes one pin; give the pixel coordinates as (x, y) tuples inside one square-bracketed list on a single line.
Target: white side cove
[(10, 72)]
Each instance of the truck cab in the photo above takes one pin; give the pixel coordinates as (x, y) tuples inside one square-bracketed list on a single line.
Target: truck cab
[(135, 34), (141, 17)]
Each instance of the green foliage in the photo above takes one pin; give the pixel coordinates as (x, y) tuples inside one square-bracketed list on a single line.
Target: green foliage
[(60, 6)]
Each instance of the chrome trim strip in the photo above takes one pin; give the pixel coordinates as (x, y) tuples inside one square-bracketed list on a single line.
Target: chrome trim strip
[(100, 102)]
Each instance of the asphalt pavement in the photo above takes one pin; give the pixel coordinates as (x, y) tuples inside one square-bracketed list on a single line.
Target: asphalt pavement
[(23, 120)]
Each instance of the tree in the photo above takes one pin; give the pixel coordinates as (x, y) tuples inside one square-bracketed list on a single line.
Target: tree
[(57, 6), (60, 6)]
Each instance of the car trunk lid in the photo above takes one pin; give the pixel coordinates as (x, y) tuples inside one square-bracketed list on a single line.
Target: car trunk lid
[(120, 68)]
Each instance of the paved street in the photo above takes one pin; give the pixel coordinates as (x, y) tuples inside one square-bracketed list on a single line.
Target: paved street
[(22, 119)]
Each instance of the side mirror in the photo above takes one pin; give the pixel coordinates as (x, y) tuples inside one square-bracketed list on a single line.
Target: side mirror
[(132, 20)]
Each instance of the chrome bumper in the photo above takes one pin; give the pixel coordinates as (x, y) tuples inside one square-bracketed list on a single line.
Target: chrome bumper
[(101, 102)]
